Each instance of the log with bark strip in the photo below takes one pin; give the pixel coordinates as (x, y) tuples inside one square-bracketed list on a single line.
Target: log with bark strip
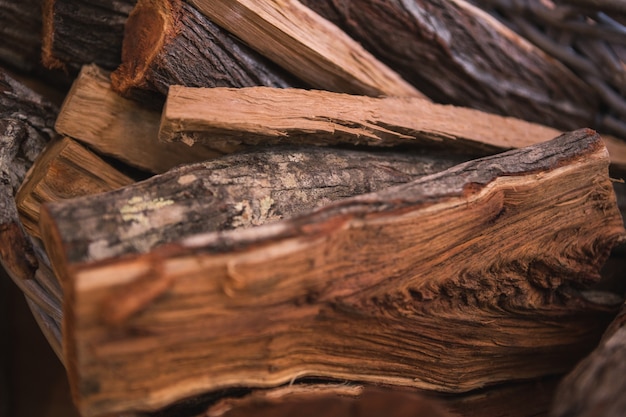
[(401, 286), (456, 53), (169, 42), (227, 120)]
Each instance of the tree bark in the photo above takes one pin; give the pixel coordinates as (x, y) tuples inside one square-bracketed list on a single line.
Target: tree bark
[(83, 32), (402, 286), (306, 45), (596, 386), (237, 191), (458, 54), (169, 42), (20, 30), (64, 170), (26, 121), (94, 114), (227, 120)]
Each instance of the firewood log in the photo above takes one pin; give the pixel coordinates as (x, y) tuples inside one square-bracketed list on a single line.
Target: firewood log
[(451, 282), (595, 388), (227, 120), (456, 53), (169, 42), (307, 45), (64, 170), (94, 114), (83, 32)]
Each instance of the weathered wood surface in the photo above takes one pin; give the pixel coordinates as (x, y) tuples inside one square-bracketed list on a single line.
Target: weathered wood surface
[(227, 120), (237, 191), (64, 170), (455, 53), (83, 32), (169, 42), (306, 45), (26, 121), (402, 286), (94, 114), (595, 388)]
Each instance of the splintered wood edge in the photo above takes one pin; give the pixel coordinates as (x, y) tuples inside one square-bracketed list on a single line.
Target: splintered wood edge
[(327, 57), (286, 236), (48, 58), (150, 25)]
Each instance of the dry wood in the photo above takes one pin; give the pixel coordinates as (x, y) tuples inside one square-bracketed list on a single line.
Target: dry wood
[(306, 45), (236, 191), (83, 32), (402, 286), (169, 42), (226, 120), (64, 170), (455, 53), (94, 114), (330, 400), (595, 388)]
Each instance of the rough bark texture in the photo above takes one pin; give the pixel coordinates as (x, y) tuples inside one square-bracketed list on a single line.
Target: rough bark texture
[(595, 388), (169, 42), (236, 191), (227, 120), (64, 170), (455, 53), (402, 286), (306, 45), (94, 114), (20, 31), (84, 32), (26, 121)]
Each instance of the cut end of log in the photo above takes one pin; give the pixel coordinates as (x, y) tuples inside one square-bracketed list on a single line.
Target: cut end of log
[(148, 28)]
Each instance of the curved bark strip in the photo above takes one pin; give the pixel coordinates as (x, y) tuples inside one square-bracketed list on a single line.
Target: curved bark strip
[(402, 286), (169, 42), (456, 53)]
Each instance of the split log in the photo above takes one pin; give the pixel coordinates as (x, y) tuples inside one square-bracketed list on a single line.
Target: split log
[(83, 32), (402, 286), (169, 42), (227, 120), (456, 53), (306, 45), (236, 191), (64, 170), (595, 388), (94, 114)]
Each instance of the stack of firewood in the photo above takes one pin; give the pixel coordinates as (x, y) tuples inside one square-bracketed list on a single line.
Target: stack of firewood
[(282, 207)]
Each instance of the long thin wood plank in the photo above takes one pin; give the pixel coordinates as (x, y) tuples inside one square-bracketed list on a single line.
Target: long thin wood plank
[(227, 120), (428, 284), (94, 114), (458, 54), (307, 45)]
